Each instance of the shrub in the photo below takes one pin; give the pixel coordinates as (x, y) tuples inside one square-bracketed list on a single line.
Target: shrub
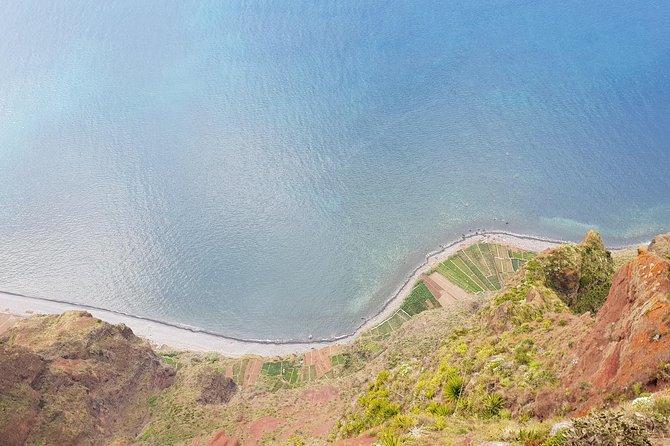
[(453, 389), (606, 429), (532, 437), (493, 404), (401, 422), (388, 439), (377, 408), (296, 441), (661, 406), (522, 355)]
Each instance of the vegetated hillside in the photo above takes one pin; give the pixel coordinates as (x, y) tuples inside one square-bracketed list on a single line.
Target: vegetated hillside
[(529, 354), (504, 368), (73, 379)]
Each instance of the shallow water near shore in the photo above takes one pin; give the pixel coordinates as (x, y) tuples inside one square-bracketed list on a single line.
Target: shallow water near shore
[(271, 170)]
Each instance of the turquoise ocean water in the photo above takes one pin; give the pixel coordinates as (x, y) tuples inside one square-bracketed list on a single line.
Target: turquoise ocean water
[(273, 169)]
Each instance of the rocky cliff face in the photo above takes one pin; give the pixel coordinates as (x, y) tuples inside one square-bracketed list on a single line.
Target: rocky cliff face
[(73, 379), (629, 343)]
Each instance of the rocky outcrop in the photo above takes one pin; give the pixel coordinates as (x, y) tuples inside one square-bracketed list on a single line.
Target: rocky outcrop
[(73, 379), (580, 274), (215, 388), (661, 246), (19, 402), (629, 343)]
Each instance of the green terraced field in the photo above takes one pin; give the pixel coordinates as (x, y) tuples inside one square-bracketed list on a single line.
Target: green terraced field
[(283, 374), (483, 266), (238, 371), (337, 360), (454, 273), (416, 301), (414, 304)]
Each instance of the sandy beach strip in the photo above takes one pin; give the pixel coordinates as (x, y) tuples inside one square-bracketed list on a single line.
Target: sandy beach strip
[(157, 332), (183, 337)]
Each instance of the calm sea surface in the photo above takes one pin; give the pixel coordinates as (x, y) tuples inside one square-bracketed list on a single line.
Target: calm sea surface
[(273, 169)]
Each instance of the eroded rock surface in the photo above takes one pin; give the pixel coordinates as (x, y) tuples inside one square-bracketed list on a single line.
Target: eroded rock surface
[(73, 379), (629, 342)]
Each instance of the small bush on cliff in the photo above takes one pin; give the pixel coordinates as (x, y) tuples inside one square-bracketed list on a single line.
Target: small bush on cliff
[(606, 429), (532, 437), (390, 440), (596, 268), (454, 389), (493, 404), (376, 408)]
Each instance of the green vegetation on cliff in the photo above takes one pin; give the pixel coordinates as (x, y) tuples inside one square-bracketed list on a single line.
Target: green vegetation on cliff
[(506, 363), (580, 275)]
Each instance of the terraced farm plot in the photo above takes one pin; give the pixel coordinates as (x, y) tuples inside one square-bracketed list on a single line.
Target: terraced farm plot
[(388, 326), (455, 274), (252, 371), (483, 266), (319, 363), (337, 360), (420, 299), (282, 374), (238, 370)]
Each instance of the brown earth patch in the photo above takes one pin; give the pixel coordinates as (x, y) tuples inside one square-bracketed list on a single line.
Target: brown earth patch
[(358, 441), (443, 290), (221, 439), (433, 287), (7, 321), (320, 394), (321, 360), (258, 428), (252, 372)]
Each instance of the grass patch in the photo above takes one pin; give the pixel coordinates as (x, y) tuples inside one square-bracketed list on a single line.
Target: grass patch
[(271, 368)]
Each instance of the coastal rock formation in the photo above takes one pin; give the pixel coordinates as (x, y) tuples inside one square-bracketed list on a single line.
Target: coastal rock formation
[(73, 379), (629, 343), (661, 246), (580, 274)]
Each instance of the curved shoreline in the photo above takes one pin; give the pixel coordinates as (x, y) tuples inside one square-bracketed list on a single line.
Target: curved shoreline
[(187, 337)]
